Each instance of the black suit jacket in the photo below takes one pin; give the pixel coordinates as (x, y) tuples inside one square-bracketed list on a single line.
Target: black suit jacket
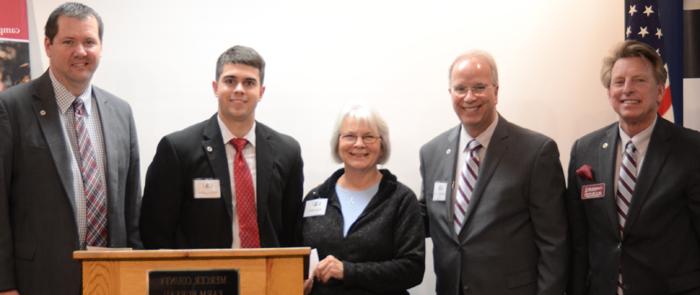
[(660, 251), (514, 237), (172, 218), (38, 231)]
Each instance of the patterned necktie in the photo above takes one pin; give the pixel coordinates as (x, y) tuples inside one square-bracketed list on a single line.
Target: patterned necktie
[(626, 182), (95, 194), (467, 181), (625, 188), (245, 198)]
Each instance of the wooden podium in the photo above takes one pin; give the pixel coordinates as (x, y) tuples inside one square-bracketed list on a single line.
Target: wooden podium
[(270, 271)]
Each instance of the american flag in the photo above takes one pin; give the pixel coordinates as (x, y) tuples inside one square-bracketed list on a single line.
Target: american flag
[(659, 24)]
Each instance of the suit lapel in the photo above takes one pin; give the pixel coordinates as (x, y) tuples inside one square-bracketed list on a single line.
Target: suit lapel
[(111, 138), (497, 148), (46, 110), (448, 157), (659, 148), (264, 148), (607, 156), (215, 150)]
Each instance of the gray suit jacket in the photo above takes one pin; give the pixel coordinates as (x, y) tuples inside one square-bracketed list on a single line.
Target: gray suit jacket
[(514, 237), (38, 230), (660, 251)]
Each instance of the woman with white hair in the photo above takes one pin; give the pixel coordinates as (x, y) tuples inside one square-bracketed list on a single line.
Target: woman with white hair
[(365, 224)]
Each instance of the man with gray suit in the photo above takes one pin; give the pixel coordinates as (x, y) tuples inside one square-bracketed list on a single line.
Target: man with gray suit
[(492, 195), (69, 163), (634, 189)]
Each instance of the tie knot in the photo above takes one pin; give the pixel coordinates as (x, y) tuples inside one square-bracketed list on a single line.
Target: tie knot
[(78, 106), (239, 143), (630, 148), (473, 146)]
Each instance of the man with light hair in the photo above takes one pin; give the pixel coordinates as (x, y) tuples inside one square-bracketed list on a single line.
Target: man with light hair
[(634, 189), (492, 195)]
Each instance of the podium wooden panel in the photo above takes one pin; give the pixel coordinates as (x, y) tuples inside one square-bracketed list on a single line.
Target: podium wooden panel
[(273, 271)]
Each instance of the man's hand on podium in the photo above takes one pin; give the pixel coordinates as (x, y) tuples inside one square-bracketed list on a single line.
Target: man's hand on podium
[(10, 292)]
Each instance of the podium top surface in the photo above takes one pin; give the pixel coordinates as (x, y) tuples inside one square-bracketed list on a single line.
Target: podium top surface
[(128, 254)]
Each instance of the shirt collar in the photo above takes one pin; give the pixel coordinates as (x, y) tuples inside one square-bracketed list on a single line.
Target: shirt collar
[(484, 138), (227, 135), (65, 99), (640, 141)]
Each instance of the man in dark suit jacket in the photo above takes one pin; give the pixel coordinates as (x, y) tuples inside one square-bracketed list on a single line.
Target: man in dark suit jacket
[(636, 233), (42, 198), (190, 198), (509, 234)]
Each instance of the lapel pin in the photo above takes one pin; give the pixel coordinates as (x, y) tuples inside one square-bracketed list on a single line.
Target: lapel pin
[(448, 151), (42, 112), (605, 145), (209, 149)]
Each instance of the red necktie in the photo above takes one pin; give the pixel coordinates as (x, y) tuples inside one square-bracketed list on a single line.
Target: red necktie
[(95, 194), (245, 198)]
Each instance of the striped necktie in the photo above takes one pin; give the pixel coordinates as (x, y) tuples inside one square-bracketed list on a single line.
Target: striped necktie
[(466, 183), (625, 189)]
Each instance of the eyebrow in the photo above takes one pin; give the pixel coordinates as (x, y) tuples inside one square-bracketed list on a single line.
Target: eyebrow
[(237, 77)]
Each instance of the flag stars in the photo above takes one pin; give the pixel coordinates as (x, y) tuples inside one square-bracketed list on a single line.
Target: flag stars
[(629, 31), (633, 10), (658, 33), (643, 32), (648, 10)]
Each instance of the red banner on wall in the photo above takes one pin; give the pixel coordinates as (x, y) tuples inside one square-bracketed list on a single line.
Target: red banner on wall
[(14, 43), (13, 20)]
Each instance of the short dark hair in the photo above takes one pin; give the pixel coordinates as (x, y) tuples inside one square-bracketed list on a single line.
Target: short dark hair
[(70, 9), (631, 48), (241, 55)]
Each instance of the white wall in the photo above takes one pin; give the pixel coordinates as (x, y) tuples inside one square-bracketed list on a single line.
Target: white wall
[(160, 56)]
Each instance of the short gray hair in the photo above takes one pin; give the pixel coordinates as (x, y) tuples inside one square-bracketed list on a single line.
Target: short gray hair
[(362, 113), (483, 55)]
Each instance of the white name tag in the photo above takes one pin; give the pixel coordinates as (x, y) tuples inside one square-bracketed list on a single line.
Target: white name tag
[(440, 191), (207, 189), (315, 207)]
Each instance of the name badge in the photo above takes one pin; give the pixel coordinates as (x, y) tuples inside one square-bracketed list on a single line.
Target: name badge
[(440, 191), (207, 189), (316, 207), (593, 191)]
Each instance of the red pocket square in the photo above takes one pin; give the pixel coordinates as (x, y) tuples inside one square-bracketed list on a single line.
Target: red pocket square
[(585, 172)]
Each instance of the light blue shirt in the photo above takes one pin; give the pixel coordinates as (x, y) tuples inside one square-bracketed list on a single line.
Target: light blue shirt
[(352, 203)]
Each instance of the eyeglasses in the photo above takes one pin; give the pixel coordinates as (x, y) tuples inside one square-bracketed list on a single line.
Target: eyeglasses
[(478, 89), (352, 138)]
